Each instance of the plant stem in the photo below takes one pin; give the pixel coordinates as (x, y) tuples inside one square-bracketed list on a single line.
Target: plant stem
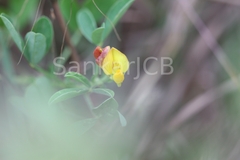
[(64, 28), (102, 81), (89, 103)]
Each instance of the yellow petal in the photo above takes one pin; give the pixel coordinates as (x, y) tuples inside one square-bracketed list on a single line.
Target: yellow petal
[(119, 59), (118, 77), (107, 64)]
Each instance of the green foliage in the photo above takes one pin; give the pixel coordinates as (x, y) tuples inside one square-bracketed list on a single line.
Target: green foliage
[(44, 26), (2, 10), (36, 43), (114, 14), (87, 23), (69, 9), (79, 78), (66, 94), (97, 35), (122, 119), (104, 91), (104, 6), (35, 47), (107, 110), (6, 61), (46, 90), (23, 10), (15, 35)]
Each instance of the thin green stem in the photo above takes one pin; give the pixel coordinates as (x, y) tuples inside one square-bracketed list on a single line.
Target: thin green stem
[(89, 103), (101, 81), (39, 69)]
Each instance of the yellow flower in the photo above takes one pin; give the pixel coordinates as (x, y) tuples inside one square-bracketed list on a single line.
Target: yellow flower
[(113, 62)]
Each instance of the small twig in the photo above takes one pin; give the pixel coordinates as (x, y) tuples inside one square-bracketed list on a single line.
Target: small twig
[(63, 27), (40, 7), (115, 30)]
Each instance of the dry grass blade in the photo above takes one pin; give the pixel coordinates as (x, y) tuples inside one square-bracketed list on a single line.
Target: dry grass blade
[(209, 39), (232, 2), (199, 103)]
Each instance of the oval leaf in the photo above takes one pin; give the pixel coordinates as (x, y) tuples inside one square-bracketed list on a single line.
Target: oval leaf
[(66, 94), (79, 78), (107, 110), (35, 47), (104, 91), (86, 23), (14, 34), (44, 26), (97, 35), (114, 14), (122, 119)]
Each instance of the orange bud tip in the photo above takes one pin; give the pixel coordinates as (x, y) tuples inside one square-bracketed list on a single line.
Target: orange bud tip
[(97, 52)]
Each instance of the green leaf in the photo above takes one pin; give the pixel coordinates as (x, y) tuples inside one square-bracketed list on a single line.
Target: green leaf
[(44, 26), (107, 110), (84, 125), (86, 23), (122, 119), (6, 60), (3, 10), (14, 34), (97, 35), (114, 14), (104, 91), (35, 47), (79, 78), (65, 94)]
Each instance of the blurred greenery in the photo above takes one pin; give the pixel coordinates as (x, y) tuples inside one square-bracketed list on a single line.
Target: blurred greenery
[(69, 9), (22, 11)]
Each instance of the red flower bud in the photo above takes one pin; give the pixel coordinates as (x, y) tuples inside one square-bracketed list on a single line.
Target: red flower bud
[(97, 52), (100, 54)]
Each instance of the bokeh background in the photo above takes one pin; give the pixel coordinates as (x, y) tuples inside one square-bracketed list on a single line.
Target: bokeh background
[(192, 114)]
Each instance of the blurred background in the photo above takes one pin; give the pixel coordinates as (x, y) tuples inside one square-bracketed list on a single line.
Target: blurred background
[(191, 114)]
